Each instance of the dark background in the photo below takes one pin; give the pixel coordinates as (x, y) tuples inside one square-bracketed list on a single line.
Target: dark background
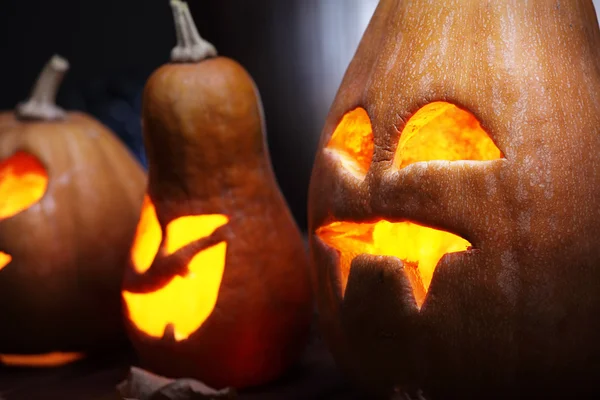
[(296, 50)]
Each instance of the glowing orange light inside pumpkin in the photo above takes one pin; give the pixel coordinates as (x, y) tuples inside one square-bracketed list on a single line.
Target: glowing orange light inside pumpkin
[(23, 182), (438, 131), (419, 247), (185, 302), (147, 238), (5, 259), (442, 131), (39, 360), (185, 230), (352, 140)]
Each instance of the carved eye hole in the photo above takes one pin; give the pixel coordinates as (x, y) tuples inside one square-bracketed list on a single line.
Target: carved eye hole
[(352, 141), (23, 182), (419, 247), (442, 131), (180, 232), (148, 237), (185, 230), (5, 258)]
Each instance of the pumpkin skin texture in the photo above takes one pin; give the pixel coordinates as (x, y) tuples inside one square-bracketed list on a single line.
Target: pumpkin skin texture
[(208, 160), (60, 291), (515, 314)]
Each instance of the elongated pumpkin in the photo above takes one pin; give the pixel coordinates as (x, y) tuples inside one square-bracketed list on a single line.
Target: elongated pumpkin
[(70, 194), (455, 202), (217, 287)]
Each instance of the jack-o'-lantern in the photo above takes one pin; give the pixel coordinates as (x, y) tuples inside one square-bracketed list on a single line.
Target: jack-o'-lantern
[(455, 202), (217, 288), (70, 195)]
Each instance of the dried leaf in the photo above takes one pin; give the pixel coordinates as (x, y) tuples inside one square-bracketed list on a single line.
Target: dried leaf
[(144, 385)]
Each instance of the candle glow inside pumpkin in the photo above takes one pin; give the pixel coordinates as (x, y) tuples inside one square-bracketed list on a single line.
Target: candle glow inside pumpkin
[(54, 359), (438, 131), (23, 182), (185, 302)]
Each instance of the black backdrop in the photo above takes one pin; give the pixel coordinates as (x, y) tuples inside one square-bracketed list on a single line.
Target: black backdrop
[(296, 50)]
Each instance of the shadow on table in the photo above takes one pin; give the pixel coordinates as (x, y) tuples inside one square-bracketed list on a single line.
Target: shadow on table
[(314, 377)]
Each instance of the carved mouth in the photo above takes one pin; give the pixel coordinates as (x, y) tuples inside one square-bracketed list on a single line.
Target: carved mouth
[(55, 359), (5, 259), (420, 248), (181, 306)]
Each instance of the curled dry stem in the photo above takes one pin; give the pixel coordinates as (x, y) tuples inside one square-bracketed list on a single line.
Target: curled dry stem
[(191, 47), (41, 104)]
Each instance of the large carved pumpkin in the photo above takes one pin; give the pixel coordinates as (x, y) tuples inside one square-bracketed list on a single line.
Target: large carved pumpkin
[(455, 201), (217, 287), (70, 194)]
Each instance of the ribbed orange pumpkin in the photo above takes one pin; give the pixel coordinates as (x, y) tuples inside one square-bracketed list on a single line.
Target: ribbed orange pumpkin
[(70, 195)]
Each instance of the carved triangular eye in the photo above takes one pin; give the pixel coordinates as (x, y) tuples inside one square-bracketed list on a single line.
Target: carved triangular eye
[(148, 237), (352, 141), (23, 182), (180, 232), (442, 131)]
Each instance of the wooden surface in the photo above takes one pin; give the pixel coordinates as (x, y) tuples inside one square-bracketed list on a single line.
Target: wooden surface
[(315, 377)]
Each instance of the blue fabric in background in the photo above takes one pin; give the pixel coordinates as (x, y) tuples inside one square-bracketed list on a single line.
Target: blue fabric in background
[(117, 103)]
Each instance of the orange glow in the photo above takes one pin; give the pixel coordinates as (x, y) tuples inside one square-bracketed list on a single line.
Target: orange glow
[(185, 230), (23, 182), (184, 302), (438, 131), (352, 140), (5, 259), (147, 238), (419, 247), (39, 360), (442, 131)]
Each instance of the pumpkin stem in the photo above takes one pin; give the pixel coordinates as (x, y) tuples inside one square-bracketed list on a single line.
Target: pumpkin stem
[(191, 47), (41, 104)]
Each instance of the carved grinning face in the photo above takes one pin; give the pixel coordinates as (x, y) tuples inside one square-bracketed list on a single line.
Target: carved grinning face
[(401, 189), (23, 183), (185, 301), (439, 131)]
